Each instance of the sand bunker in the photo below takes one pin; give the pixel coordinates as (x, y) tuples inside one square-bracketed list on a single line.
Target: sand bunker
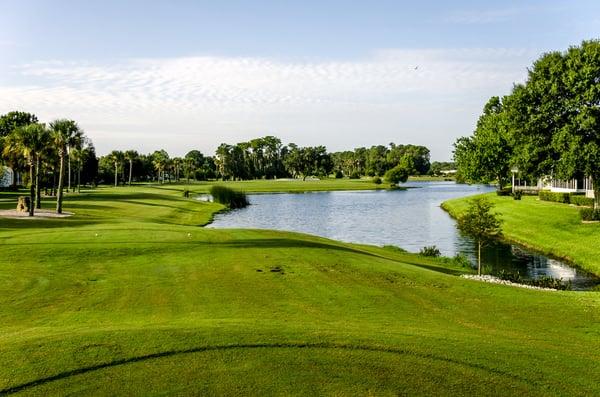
[(39, 214)]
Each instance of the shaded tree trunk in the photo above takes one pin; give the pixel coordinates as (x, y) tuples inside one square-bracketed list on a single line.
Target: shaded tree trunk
[(38, 190), (596, 188), (32, 187), (479, 257), (130, 170), (61, 176), (79, 179), (69, 170), (116, 173)]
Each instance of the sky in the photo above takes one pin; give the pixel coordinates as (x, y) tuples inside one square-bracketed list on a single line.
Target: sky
[(182, 75)]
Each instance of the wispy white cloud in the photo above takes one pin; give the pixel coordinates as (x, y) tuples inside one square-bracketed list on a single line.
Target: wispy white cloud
[(486, 16), (204, 100)]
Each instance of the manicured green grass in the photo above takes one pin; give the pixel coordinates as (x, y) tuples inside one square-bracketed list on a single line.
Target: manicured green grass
[(429, 178), (551, 228), (288, 185), (130, 296)]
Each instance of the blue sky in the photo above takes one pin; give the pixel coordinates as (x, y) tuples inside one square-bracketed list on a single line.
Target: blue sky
[(181, 75)]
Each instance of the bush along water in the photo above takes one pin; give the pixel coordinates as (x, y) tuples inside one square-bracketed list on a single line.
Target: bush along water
[(431, 251), (229, 197), (542, 281)]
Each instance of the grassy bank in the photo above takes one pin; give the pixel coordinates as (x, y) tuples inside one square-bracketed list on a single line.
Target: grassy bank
[(288, 185), (551, 228), (130, 296)]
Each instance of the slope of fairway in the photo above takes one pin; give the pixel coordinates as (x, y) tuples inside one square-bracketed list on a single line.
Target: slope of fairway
[(552, 228), (130, 296)]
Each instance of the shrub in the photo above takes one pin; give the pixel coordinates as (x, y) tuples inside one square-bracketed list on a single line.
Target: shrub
[(186, 193), (339, 174), (589, 214), (512, 277), (581, 200), (431, 251), (394, 248), (229, 197), (355, 175), (504, 192), (462, 260), (377, 180), (546, 195), (396, 175), (550, 282), (517, 195)]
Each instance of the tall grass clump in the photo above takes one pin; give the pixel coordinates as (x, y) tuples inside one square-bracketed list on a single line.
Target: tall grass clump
[(229, 197)]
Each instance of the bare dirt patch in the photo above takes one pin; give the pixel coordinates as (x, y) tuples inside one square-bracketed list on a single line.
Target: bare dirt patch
[(39, 214)]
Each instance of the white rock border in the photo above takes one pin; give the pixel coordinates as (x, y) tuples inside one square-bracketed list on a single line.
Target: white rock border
[(496, 280)]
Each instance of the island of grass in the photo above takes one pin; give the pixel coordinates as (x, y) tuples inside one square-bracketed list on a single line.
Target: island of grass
[(130, 296), (550, 228)]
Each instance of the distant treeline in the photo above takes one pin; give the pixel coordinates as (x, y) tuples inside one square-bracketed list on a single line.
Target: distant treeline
[(263, 158), (260, 158)]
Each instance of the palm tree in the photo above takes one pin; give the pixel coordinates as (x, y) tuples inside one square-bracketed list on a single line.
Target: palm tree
[(160, 159), (177, 162), (116, 157), (79, 154), (65, 133), (30, 142), (131, 155)]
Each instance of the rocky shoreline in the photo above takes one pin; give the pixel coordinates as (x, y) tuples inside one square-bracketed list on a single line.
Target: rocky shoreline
[(496, 280)]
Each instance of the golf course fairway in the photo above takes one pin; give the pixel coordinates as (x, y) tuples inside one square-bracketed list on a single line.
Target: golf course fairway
[(130, 295)]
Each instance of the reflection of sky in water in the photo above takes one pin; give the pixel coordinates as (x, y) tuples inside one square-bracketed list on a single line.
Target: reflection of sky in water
[(410, 219)]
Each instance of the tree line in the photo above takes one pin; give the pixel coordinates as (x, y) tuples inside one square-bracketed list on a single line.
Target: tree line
[(547, 126), (52, 155), (262, 158), (57, 156)]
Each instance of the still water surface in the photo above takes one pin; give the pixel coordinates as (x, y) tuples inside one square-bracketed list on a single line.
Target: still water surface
[(410, 219)]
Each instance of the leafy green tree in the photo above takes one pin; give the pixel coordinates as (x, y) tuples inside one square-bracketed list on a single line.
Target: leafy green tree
[(65, 133), (294, 161), (559, 108), (192, 162), (13, 120), (377, 160), (419, 155), (397, 175), (486, 156), (481, 223), (8, 123)]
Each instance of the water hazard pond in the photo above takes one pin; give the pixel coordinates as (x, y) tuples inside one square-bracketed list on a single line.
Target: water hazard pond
[(410, 219)]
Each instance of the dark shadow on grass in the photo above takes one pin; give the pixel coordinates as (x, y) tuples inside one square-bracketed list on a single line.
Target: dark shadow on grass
[(267, 243), (52, 223), (259, 243), (300, 346)]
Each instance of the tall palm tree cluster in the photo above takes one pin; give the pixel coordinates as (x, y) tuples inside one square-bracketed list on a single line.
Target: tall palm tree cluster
[(55, 152), (126, 167)]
